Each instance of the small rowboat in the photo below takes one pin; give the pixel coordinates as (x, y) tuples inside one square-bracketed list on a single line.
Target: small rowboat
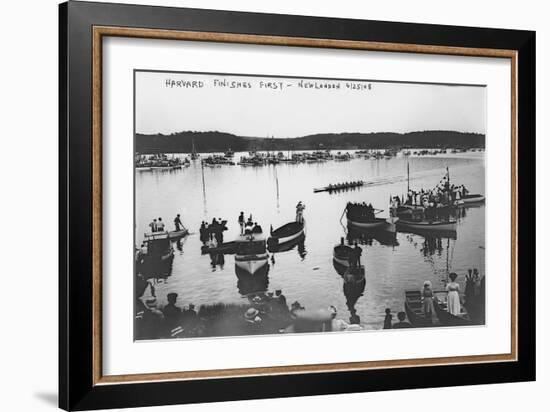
[(335, 188), (251, 254), (429, 225), (341, 254), (177, 234), (286, 233)]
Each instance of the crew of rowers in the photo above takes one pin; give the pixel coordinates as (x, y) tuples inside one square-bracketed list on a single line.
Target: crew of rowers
[(361, 210), (345, 185)]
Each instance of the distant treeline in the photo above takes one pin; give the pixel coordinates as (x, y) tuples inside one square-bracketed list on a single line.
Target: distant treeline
[(214, 141)]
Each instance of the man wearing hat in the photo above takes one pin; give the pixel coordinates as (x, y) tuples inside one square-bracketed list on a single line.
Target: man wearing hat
[(172, 313)]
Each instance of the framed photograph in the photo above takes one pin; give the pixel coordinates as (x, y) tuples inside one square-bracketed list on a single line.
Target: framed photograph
[(257, 205)]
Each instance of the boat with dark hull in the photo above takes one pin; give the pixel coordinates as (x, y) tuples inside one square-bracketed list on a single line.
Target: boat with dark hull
[(285, 247), (158, 257), (287, 233), (341, 255), (340, 186), (177, 234), (377, 222), (424, 219), (251, 253), (364, 216), (428, 225)]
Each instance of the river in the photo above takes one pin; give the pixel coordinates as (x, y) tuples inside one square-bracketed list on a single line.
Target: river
[(306, 273)]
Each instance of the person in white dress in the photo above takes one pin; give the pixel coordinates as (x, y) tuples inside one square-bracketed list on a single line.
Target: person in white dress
[(453, 296)]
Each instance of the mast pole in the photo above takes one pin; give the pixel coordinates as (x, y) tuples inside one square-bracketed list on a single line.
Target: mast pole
[(408, 178)]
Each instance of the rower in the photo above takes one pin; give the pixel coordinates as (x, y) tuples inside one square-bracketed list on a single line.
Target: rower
[(241, 222), (177, 223), (300, 212)]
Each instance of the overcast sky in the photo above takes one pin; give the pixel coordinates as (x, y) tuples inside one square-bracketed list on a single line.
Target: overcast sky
[(255, 108)]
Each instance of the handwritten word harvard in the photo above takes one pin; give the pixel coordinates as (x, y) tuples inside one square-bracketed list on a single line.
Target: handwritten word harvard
[(184, 84)]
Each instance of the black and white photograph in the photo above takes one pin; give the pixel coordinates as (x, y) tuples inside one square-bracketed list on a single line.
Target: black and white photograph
[(277, 205)]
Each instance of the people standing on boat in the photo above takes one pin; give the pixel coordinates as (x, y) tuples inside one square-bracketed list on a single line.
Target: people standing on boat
[(249, 222), (241, 222), (388, 319), (300, 212), (177, 223), (370, 212), (212, 229), (402, 324), (427, 303), (160, 225), (153, 226), (453, 296), (257, 228)]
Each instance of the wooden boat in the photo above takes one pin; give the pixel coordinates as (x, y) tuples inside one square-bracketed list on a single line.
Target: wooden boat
[(248, 283), (335, 188), (414, 309), (429, 225), (251, 254), (364, 217), (177, 234), (285, 247), (286, 233), (473, 198), (341, 254), (159, 256), (367, 223), (445, 318)]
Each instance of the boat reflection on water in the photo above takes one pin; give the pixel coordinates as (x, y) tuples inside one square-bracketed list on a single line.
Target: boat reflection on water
[(298, 243), (354, 287), (248, 284), (353, 276), (366, 236)]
